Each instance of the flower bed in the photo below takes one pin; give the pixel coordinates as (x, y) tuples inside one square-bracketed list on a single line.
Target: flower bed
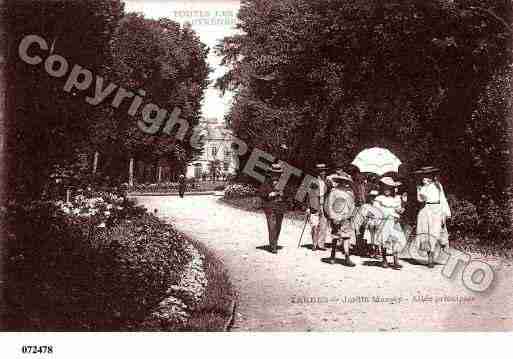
[(97, 263), (239, 190), (172, 187)]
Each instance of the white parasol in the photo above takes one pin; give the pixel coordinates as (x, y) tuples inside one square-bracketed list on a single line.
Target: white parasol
[(377, 160)]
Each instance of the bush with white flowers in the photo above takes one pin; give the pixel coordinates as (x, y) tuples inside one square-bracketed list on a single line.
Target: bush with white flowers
[(103, 208), (240, 190)]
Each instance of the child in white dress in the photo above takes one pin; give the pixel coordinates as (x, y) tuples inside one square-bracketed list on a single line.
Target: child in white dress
[(390, 234)]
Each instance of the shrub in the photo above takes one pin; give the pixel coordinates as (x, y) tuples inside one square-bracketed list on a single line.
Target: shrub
[(238, 190), (495, 221), (101, 208), (488, 224), (464, 220), (191, 186), (65, 273)]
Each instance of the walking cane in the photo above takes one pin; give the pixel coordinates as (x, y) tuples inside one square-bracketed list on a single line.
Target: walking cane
[(303, 231)]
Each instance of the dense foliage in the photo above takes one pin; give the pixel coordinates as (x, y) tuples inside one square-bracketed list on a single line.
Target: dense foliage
[(97, 262), (50, 128), (85, 269), (169, 63), (47, 125)]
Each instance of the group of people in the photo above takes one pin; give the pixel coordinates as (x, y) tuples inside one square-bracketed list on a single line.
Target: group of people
[(333, 213)]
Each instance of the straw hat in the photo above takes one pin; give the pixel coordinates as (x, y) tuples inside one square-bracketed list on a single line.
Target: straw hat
[(389, 181), (341, 176), (321, 167), (427, 170)]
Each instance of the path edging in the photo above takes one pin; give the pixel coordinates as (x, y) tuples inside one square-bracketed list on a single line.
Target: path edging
[(134, 194)]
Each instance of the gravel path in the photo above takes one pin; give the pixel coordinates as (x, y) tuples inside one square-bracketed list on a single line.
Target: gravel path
[(296, 291)]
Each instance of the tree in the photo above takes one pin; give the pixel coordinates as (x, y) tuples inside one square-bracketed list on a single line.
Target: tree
[(169, 63), (47, 124), (490, 138), (331, 77)]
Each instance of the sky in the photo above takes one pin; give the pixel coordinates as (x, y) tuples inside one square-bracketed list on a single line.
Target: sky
[(212, 20)]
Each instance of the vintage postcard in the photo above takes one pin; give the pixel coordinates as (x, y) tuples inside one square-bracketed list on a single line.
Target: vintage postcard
[(256, 166)]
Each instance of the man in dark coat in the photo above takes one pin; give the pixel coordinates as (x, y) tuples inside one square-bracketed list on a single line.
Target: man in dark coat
[(181, 185), (273, 205)]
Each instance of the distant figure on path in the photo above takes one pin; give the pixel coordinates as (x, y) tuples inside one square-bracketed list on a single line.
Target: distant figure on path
[(273, 205), (181, 185)]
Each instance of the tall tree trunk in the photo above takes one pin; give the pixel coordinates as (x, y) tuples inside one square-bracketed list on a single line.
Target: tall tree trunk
[(155, 171), (131, 173), (95, 162)]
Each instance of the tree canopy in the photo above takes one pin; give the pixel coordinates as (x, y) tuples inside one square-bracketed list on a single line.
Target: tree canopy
[(46, 125), (169, 63), (331, 77), (49, 127)]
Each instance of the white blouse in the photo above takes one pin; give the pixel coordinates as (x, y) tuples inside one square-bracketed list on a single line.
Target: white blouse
[(388, 205), (431, 194)]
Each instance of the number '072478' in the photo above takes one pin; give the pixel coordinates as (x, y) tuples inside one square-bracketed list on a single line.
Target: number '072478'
[(37, 349)]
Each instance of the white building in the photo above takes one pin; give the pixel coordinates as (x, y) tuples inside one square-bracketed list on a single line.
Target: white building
[(217, 142)]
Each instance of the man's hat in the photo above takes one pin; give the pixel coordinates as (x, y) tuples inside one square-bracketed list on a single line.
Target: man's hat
[(389, 181), (427, 170), (341, 176), (321, 167), (275, 169)]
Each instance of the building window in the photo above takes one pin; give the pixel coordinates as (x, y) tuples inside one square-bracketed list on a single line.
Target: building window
[(214, 151), (197, 170), (226, 165)]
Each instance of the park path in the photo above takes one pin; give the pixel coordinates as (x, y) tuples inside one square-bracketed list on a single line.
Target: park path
[(296, 291)]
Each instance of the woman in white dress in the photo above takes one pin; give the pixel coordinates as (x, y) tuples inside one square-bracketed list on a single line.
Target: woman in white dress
[(390, 234), (431, 220)]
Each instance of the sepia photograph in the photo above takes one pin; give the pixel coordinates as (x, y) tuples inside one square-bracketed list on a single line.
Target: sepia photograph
[(255, 166)]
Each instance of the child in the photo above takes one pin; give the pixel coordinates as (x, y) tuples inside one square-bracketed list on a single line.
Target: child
[(390, 234), (373, 219), (339, 209)]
